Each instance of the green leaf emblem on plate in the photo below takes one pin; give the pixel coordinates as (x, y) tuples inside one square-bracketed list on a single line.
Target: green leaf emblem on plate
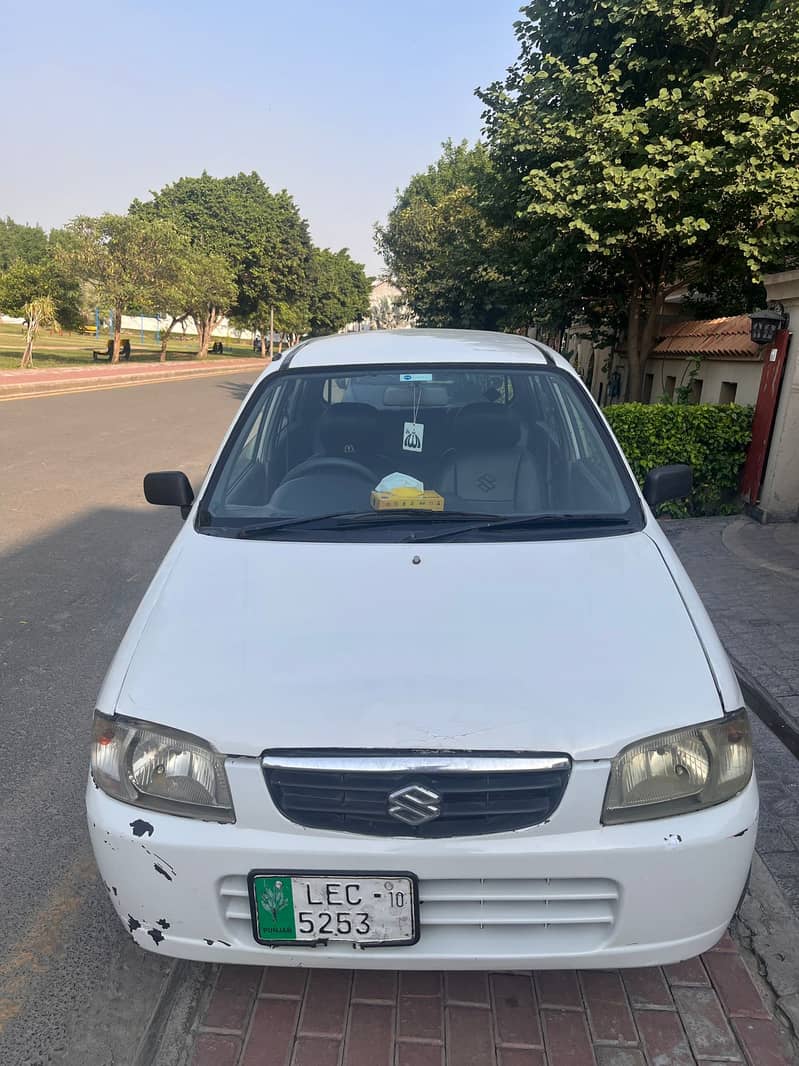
[(274, 904)]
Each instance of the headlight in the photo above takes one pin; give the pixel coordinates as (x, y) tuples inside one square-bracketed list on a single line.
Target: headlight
[(679, 772), (161, 769)]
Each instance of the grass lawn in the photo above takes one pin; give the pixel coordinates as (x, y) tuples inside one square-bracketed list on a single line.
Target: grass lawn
[(75, 349)]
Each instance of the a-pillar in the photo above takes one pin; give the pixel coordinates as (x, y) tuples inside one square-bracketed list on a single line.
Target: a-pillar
[(779, 496)]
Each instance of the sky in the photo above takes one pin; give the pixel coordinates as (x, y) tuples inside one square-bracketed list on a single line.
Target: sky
[(339, 102)]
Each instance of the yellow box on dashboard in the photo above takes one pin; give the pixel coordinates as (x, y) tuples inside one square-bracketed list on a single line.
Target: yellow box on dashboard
[(407, 500)]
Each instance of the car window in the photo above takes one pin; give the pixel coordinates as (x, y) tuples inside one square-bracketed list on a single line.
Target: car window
[(468, 441)]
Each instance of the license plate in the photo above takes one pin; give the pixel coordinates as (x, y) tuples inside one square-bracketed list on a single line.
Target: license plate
[(306, 907)]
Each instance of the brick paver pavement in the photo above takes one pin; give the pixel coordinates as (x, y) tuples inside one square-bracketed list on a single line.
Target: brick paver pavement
[(696, 1013)]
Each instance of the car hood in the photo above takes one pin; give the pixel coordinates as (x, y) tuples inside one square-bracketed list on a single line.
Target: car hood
[(575, 646)]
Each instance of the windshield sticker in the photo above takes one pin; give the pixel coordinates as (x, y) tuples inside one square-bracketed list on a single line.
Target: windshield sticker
[(413, 437), (416, 377)]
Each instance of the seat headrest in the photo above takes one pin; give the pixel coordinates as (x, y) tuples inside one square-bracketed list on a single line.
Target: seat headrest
[(349, 429), (486, 425)]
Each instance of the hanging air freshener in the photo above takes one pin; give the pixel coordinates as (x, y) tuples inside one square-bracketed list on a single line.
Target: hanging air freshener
[(413, 437), (413, 432)]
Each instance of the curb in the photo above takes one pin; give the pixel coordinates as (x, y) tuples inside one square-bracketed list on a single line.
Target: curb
[(31, 388), (768, 709), (766, 926), (166, 1039)]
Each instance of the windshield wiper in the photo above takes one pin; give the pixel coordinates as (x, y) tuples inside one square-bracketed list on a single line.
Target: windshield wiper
[(355, 520), (536, 521)]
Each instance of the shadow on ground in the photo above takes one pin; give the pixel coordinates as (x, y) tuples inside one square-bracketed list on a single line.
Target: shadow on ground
[(66, 965), (236, 389)]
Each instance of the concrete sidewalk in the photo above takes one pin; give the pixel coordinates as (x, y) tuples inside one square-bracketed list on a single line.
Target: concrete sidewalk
[(38, 380)]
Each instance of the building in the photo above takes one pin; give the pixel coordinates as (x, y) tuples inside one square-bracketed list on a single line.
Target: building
[(712, 360), (700, 360), (388, 309)]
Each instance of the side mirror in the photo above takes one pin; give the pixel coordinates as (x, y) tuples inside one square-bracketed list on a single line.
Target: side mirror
[(170, 488), (672, 482)]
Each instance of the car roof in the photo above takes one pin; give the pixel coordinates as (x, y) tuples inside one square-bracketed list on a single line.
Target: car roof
[(408, 346)]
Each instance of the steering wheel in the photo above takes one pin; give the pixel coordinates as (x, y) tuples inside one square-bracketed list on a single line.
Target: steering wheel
[(330, 464)]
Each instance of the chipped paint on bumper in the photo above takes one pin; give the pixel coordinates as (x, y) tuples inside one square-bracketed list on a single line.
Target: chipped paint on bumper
[(178, 890)]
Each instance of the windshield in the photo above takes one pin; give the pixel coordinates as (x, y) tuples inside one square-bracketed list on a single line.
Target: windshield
[(395, 449)]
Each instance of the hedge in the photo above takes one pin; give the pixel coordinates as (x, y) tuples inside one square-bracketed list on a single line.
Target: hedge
[(713, 438)]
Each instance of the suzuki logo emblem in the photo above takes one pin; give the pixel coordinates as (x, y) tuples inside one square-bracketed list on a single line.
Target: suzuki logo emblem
[(414, 804), (487, 482)]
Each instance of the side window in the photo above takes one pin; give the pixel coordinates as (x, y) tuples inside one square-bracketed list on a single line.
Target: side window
[(552, 416), (255, 435), (248, 449), (335, 390), (595, 482)]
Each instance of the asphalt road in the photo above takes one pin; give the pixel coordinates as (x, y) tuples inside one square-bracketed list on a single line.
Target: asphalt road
[(78, 546)]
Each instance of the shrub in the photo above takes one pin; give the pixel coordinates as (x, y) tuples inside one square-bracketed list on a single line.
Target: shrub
[(711, 437)]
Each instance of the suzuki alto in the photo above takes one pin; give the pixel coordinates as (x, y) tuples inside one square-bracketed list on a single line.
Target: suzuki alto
[(421, 684)]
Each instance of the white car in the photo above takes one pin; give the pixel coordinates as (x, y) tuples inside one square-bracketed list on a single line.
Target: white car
[(421, 684)]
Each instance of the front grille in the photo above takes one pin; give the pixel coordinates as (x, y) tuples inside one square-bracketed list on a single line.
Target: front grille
[(474, 794), (512, 916)]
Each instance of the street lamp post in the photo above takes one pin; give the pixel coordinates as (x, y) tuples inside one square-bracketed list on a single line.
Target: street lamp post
[(764, 325)]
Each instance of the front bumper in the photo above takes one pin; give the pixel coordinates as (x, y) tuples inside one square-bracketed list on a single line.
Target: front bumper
[(551, 897)]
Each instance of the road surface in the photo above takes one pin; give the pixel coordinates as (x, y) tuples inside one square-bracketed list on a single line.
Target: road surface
[(78, 546)]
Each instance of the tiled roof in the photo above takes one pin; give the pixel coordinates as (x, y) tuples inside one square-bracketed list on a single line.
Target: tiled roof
[(719, 338)]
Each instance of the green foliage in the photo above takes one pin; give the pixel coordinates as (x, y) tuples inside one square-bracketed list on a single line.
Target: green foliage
[(339, 291), (649, 143), (259, 233), (713, 438), (20, 243), (442, 248), (657, 129), (203, 280), (38, 312), (133, 263), (22, 283)]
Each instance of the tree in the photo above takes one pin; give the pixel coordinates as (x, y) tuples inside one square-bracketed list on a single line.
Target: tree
[(25, 282), (441, 246), (291, 321), (647, 139), (339, 291), (280, 273), (133, 262), (37, 313), (202, 286), (259, 234), (20, 243)]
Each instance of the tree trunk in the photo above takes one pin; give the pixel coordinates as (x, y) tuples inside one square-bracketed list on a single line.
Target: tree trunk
[(263, 341), (280, 345), (649, 335), (589, 370), (634, 376), (27, 356), (167, 334), (205, 328), (117, 334)]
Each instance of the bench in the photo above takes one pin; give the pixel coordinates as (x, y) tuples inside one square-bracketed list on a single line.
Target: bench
[(124, 351)]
